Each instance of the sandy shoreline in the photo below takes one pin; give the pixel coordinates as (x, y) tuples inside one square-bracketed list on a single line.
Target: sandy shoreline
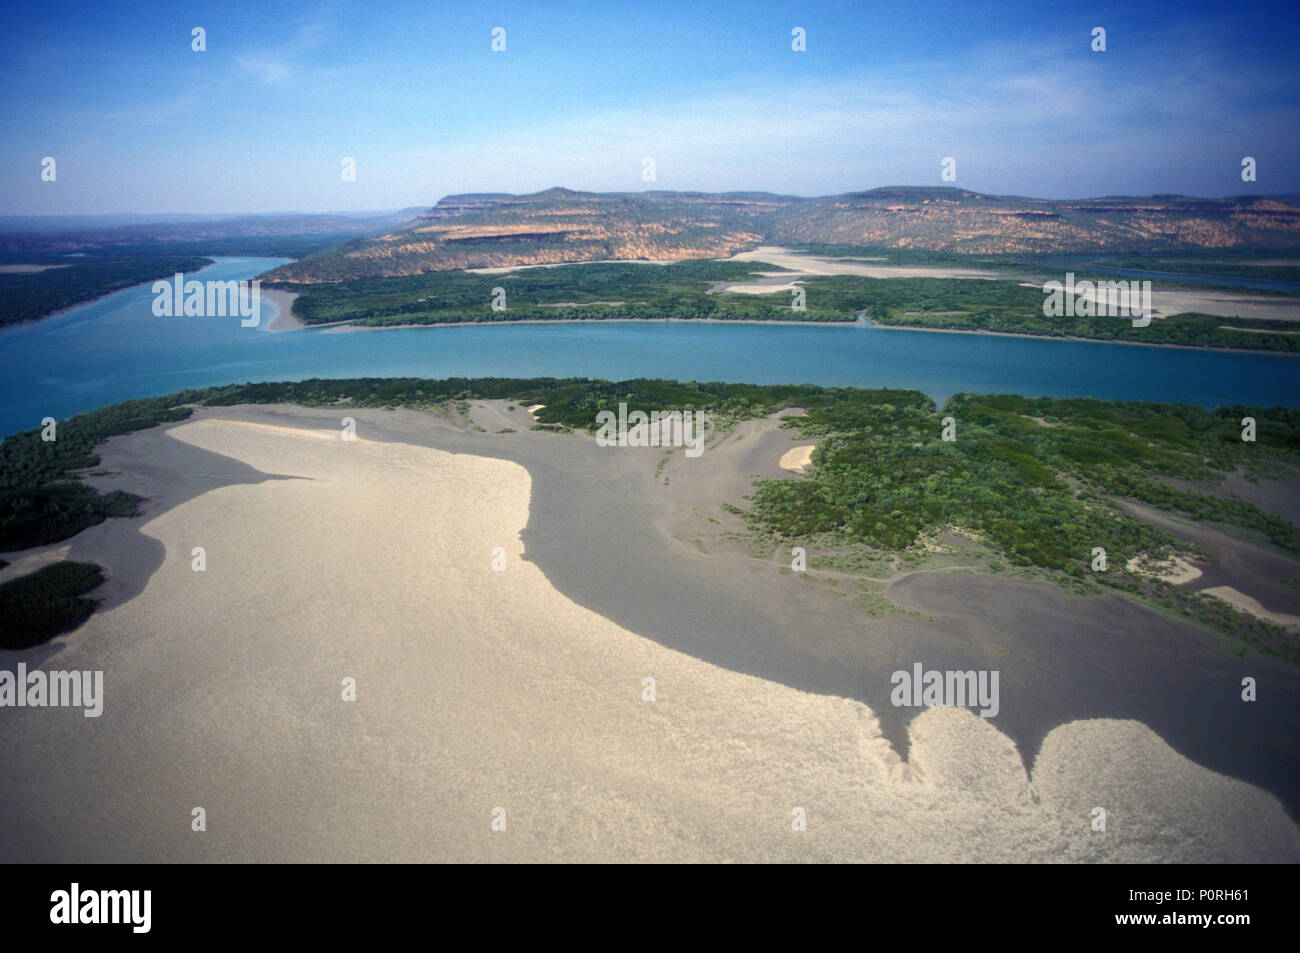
[(285, 319), (1179, 299), (1067, 337), (480, 689), (27, 269), (67, 308), (341, 327), (337, 327), (1245, 603)]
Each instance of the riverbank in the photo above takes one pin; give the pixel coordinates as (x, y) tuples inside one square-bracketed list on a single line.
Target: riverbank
[(876, 325), (337, 327), (285, 319), (770, 692)]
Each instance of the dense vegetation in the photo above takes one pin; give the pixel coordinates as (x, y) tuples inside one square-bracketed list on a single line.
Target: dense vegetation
[(1036, 490), (100, 271), (1236, 265), (239, 246), (686, 290), (41, 499), (25, 297), (1035, 478), (547, 294), (37, 607), (883, 472)]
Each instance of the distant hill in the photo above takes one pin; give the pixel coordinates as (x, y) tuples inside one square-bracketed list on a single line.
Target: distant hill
[(959, 221), (561, 225), (551, 227)]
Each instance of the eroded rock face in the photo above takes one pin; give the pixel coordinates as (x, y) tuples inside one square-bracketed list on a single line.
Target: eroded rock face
[(560, 225)]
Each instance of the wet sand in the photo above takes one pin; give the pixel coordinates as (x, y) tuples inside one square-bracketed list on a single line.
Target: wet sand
[(523, 688), (285, 319), (1252, 567)]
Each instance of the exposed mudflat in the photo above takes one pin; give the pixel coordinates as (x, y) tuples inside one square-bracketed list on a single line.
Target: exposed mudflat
[(523, 689)]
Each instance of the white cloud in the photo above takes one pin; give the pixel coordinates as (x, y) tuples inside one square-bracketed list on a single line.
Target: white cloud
[(267, 69), (1046, 125)]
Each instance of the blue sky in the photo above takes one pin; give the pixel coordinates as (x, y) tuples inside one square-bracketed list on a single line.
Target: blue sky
[(260, 122)]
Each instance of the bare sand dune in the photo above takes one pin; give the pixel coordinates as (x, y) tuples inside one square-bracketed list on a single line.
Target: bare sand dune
[(1246, 604), (804, 264), (800, 458), (506, 269), (1165, 300), (478, 690), (1175, 571)]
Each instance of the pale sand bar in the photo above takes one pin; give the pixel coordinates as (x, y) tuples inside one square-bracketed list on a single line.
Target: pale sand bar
[(800, 458), (285, 319), (479, 689), (1165, 300)]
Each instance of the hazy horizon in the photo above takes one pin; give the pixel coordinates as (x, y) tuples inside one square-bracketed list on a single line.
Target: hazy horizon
[(140, 123), (145, 217)]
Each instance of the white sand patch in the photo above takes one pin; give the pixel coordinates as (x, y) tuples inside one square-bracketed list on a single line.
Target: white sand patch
[(583, 304), (1166, 301), (26, 269), (535, 408), (1258, 330), (756, 288), (1175, 571), (506, 269), (1249, 605), (479, 689), (798, 458), (802, 264)]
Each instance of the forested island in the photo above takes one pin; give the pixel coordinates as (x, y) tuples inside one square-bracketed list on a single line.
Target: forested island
[(45, 271), (693, 290), (61, 282)]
